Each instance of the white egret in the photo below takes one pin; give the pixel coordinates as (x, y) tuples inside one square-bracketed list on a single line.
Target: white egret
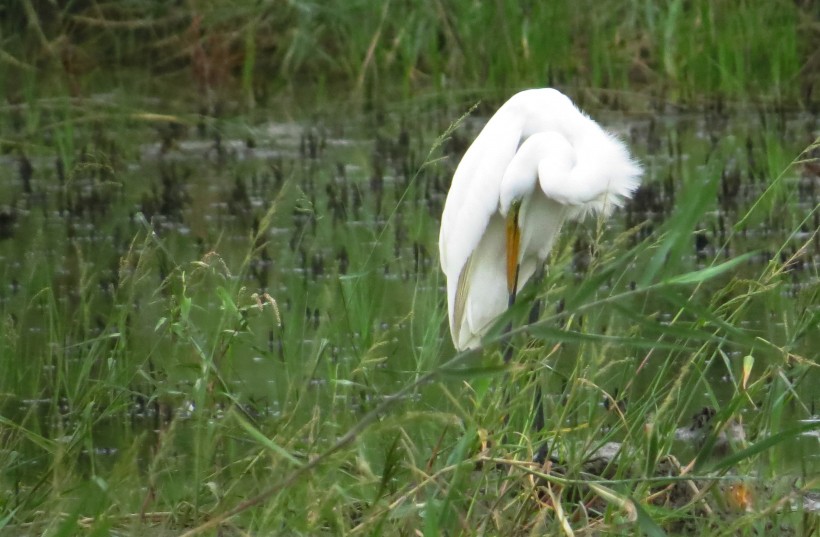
[(537, 162)]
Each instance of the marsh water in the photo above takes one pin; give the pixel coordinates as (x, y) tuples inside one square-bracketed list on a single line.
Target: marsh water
[(110, 221)]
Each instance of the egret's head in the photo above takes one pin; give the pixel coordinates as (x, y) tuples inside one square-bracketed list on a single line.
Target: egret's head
[(547, 155)]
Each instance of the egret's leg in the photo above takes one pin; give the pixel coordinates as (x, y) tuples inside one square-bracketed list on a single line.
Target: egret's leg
[(508, 348), (536, 278), (535, 313), (539, 419)]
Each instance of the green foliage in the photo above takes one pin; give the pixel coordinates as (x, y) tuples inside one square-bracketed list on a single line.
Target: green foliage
[(690, 52)]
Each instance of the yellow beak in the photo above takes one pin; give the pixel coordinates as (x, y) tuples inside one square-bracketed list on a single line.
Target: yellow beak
[(513, 245)]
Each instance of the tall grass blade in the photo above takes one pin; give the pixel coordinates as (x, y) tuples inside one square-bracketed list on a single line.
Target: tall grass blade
[(703, 275)]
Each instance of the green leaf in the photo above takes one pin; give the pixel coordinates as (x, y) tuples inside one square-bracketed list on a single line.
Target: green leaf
[(610, 496), (708, 316), (698, 195), (228, 303), (650, 327), (557, 335), (184, 307), (267, 442), (6, 519), (646, 523), (474, 372), (454, 488), (699, 276), (766, 443), (716, 425)]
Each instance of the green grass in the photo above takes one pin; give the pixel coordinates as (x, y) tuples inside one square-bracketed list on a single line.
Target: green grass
[(693, 53), (335, 403)]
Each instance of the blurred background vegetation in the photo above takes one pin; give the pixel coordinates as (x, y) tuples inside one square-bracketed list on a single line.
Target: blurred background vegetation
[(685, 52)]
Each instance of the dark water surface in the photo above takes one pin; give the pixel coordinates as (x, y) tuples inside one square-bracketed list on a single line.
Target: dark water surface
[(98, 213)]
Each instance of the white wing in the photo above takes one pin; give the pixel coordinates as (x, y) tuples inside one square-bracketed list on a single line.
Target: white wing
[(471, 202)]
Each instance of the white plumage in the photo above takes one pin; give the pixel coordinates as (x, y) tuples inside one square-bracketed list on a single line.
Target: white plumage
[(537, 161)]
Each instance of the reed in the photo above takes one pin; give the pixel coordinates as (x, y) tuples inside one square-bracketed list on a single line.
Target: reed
[(697, 53)]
